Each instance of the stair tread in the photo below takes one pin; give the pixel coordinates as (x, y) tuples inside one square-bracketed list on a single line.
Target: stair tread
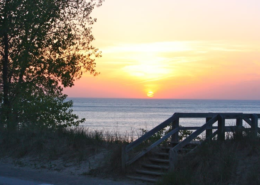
[(143, 178), (166, 147), (186, 149), (159, 160), (148, 172), (191, 143), (156, 166), (189, 146), (162, 153)]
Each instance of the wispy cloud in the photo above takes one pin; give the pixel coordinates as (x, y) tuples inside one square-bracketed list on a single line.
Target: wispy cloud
[(150, 47), (178, 46), (150, 62)]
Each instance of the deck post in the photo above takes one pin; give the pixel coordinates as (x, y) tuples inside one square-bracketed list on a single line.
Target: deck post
[(173, 158), (221, 128), (239, 124), (208, 131), (175, 137), (123, 157), (254, 125)]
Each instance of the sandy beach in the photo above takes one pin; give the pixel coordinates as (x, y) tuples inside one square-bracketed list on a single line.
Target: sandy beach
[(70, 175)]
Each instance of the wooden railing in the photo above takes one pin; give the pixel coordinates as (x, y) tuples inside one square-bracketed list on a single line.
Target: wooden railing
[(173, 122)]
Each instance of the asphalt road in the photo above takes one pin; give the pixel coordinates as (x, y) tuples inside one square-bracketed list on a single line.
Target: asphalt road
[(10, 175), (15, 181)]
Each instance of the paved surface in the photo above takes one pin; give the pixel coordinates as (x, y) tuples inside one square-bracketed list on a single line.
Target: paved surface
[(15, 181), (22, 176)]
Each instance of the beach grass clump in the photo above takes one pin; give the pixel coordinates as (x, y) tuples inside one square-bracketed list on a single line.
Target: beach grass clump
[(66, 144), (112, 165), (213, 162), (233, 161)]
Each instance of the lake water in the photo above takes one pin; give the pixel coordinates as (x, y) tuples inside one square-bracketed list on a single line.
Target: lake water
[(131, 115)]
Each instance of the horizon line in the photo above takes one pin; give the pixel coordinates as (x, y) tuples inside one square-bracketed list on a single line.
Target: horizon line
[(168, 98)]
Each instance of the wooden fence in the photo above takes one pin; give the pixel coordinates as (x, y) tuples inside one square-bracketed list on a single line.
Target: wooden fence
[(173, 134)]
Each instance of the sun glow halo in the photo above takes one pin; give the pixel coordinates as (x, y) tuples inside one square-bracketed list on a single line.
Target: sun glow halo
[(150, 94)]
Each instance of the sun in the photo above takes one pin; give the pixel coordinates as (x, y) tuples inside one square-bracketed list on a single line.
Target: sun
[(150, 94)]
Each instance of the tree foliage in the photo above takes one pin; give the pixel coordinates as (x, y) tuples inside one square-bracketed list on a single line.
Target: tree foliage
[(45, 45)]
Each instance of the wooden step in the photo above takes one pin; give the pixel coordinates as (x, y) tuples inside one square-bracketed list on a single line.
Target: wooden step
[(161, 167), (192, 142), (195, 142), (185, 149), (149, 172), (147, 179), (180, 151), (166, 148), (164, 154), (159, 160), (189, 146)]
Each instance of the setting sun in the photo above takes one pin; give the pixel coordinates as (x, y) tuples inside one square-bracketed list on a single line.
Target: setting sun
[(150, 94), (149, 55)]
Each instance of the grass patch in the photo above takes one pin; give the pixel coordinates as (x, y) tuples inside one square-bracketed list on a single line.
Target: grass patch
[(112, 166), (66, 144), (234, 161)]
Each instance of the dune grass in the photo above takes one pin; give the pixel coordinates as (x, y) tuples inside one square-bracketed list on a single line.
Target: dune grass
[(233, 161), (66, 144)]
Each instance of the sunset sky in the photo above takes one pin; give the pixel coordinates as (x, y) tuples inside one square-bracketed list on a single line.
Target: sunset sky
[(188, 49)]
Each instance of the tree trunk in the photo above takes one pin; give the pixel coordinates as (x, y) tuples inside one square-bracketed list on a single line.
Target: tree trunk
[(6, 114), (5, 71)]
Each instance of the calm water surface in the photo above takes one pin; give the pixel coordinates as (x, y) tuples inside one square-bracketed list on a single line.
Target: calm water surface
[(128, 115)]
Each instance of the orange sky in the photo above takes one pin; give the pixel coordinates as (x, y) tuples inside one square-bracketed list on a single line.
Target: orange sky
[(175, 49)]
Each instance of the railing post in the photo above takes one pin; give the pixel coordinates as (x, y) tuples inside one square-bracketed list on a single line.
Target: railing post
[(123, 157), (175, 137), (208, 131), (254, 125), (239, 124), (221, 128), (173, 158)]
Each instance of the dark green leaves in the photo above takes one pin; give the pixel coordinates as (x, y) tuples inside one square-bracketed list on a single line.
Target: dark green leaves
[(45, 45)]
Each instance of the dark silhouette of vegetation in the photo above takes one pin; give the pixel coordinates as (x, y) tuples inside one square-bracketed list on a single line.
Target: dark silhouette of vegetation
[(233, 161), (45, 45), (69, 146)]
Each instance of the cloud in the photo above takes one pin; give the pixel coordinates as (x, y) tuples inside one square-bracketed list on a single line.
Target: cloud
[(179, 46)]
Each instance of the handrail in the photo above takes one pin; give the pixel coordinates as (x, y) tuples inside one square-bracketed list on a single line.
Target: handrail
[(251, 119), (221, 128), (227, 128), (195, 134), (152, 146), (195, 128), (226, 115), (131, 146), (247, 118), (150, 133)]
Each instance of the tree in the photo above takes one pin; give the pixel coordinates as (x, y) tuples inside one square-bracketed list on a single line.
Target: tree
[(45, 46)]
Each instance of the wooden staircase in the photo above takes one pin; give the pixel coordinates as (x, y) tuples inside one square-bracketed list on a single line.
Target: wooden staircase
[(157, 163), (153, 160)]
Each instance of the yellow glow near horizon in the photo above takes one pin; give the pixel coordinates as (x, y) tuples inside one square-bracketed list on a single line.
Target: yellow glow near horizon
[(147, 71), (184, 51), (154, 47), (183, 74), (146, 61), (177, 74), (150, 94)]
